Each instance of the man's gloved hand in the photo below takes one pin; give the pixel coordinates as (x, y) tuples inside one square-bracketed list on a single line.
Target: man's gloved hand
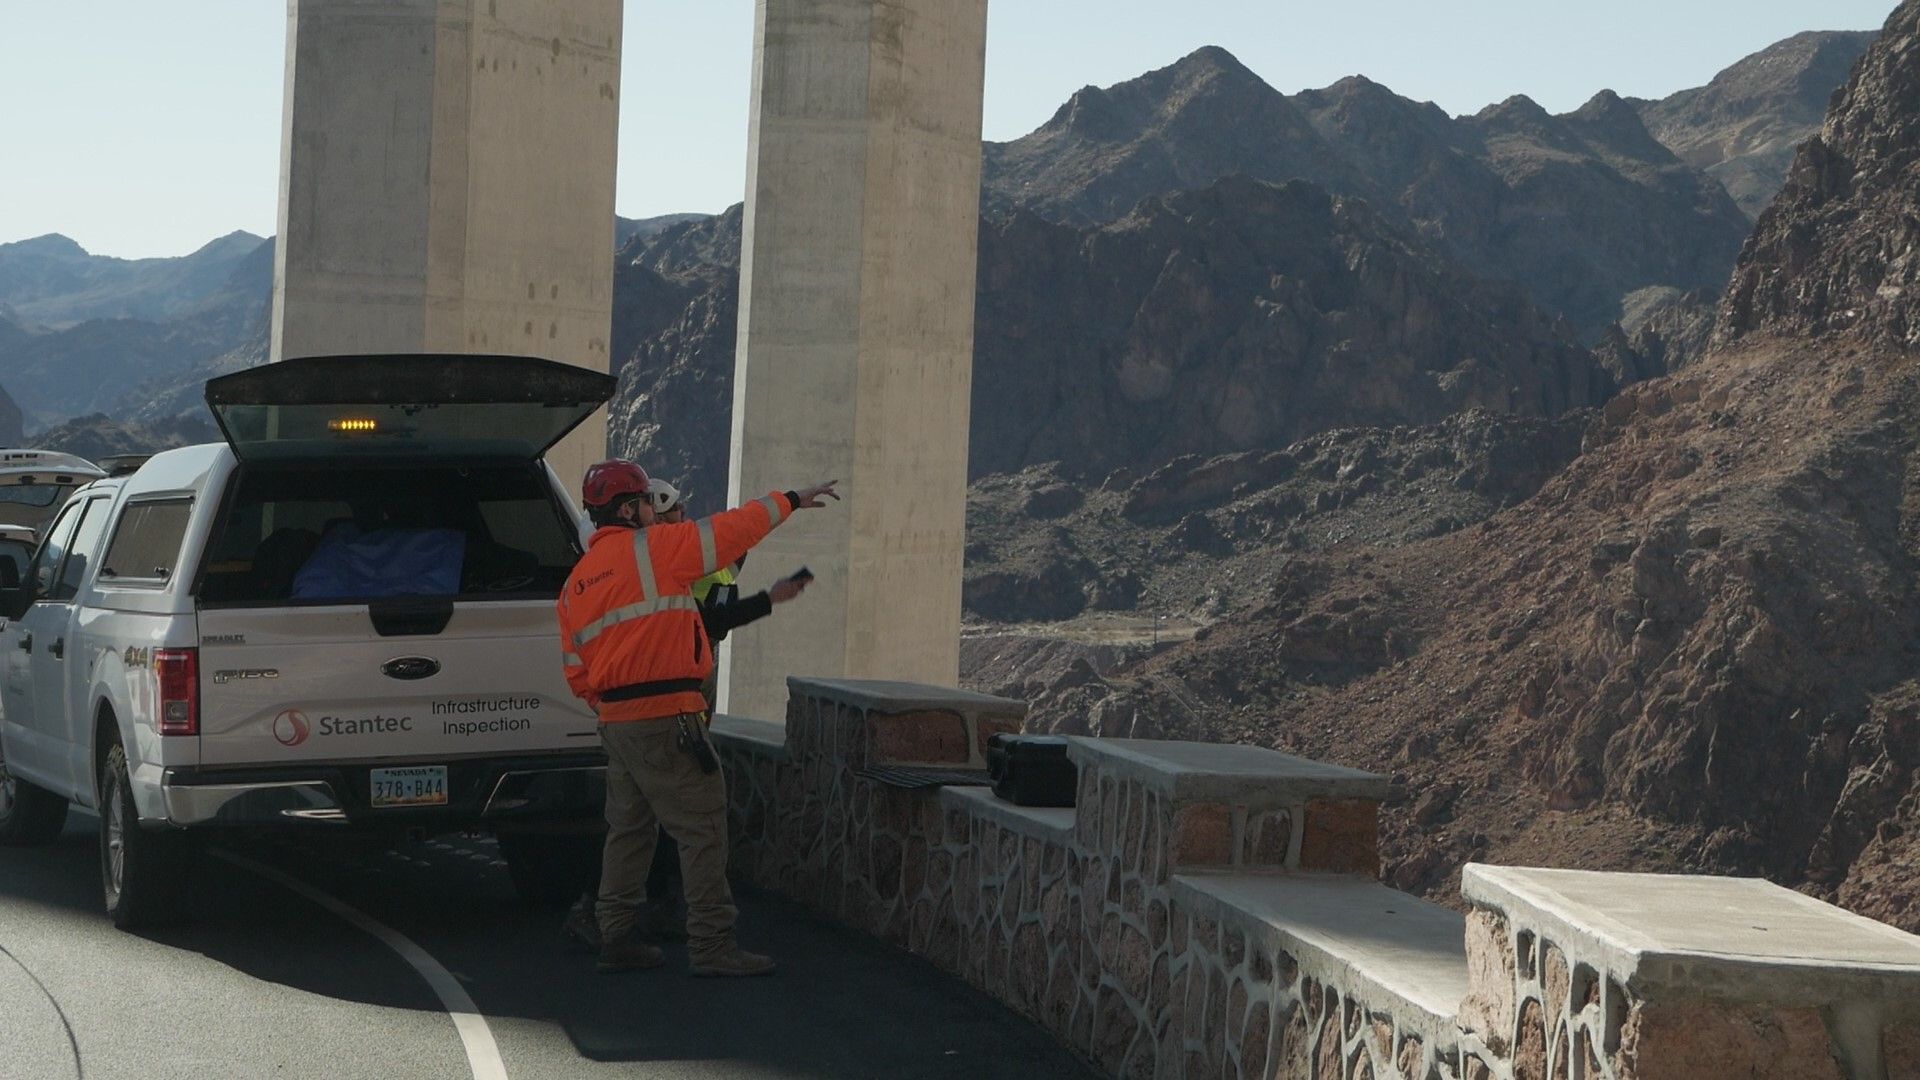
[(787, 588), (809, 498)]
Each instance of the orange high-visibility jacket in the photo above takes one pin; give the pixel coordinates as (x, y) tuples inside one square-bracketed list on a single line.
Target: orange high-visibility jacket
[(630, 631)]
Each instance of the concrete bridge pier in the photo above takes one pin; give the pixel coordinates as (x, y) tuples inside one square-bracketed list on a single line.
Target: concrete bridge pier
[(447, 181), (856, 333)]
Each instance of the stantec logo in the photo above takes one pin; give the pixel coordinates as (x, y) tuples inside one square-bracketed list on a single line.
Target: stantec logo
[(291, 727)]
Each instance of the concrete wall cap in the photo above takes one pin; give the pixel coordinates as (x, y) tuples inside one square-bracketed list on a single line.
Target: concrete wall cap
[(762, 737), (1041, 823), (1224, 771), (881, 696), (1670, 935), (1390, 950)]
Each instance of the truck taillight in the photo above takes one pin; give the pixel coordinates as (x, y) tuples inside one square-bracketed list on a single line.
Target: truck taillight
[(179, 671)]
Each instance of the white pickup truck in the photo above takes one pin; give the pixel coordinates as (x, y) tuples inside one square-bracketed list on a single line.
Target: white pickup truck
[(342, 618)]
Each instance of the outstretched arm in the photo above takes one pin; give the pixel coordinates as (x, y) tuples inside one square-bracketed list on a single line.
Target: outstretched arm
[(702, 547)]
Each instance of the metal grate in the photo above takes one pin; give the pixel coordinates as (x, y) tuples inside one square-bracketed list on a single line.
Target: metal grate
[(901, 777)]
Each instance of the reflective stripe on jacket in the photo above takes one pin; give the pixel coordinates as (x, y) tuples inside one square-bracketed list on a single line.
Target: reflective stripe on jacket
[(628, 616)]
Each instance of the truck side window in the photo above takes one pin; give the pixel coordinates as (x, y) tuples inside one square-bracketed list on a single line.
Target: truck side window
[(80, 554), (53, 548), (146, 544)]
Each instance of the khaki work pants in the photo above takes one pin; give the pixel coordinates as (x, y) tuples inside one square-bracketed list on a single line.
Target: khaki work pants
[(652, 783)]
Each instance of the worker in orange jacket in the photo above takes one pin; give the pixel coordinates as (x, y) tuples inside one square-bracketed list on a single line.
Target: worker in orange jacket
[(635, 650)]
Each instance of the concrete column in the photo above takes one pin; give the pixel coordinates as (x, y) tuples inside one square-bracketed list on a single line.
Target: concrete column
[(856, 334), (447, 180)]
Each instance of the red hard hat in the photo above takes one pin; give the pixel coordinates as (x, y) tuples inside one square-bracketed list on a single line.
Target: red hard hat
[(611, 480)]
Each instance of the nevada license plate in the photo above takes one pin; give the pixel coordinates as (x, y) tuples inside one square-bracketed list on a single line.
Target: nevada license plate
[(419, 785)]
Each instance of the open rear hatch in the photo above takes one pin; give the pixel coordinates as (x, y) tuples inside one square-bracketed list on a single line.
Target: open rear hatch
[(35, 484), (380, 583), (410, 405)]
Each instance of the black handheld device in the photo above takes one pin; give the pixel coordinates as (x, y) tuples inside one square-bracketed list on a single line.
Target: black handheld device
[(802, 574), (693, 741)]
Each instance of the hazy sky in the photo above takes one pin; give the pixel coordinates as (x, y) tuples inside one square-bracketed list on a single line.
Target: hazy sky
[(146, 128)]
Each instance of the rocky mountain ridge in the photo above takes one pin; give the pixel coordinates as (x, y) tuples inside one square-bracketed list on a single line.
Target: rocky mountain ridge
[(95, 365), (1241, 316), (51, 283), (1694, 647), (1512, 192), (1573, 179), (1744, 127), (625, 229), (1432, 179)]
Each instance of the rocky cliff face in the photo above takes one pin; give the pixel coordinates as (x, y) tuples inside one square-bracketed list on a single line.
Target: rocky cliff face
[(1837, 251), (676, 306), (1744, 127), (1185, 539), (1581, 209), (1241, 316), (1666, 331), (1693, 648)]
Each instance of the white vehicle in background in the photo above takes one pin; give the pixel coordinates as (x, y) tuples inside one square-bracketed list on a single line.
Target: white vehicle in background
[(35, 484), (342, 618)]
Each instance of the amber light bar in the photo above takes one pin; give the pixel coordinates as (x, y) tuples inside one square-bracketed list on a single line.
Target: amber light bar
[(353, 425)]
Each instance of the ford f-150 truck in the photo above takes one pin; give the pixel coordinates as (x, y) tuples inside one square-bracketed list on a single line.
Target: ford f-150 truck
[(342, 617)]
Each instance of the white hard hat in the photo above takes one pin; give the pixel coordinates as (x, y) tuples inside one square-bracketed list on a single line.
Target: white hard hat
[(662, 495)]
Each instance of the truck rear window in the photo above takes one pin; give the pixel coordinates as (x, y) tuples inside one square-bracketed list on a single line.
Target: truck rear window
[(290, 535)]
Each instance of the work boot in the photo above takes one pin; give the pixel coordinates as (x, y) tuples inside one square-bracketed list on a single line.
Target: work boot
[(581, 929), (731, 962), (664, 921), (628, 954)]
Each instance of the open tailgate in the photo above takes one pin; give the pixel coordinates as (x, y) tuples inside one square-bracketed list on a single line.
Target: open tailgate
[(404, 405)]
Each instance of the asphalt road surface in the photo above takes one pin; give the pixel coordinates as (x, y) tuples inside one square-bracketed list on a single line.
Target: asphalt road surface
[(336, 960)]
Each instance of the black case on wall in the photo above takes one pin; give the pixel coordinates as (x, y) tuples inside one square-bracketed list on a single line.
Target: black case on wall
[(1032, 770)]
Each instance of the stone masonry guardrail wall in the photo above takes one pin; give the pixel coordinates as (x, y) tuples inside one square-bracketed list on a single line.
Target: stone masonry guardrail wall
[(1610, 976), (1212, 911)]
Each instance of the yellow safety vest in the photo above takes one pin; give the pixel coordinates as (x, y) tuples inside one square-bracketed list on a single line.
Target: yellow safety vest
[(704, 587)]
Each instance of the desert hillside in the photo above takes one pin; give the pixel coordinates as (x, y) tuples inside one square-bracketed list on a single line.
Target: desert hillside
[(1698, 646)]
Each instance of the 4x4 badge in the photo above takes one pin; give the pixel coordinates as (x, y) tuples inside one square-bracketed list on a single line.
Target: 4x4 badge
[(410, 667)]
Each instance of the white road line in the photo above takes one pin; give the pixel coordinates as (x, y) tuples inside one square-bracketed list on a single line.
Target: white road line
[(73, 1041), (483, 1055)]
